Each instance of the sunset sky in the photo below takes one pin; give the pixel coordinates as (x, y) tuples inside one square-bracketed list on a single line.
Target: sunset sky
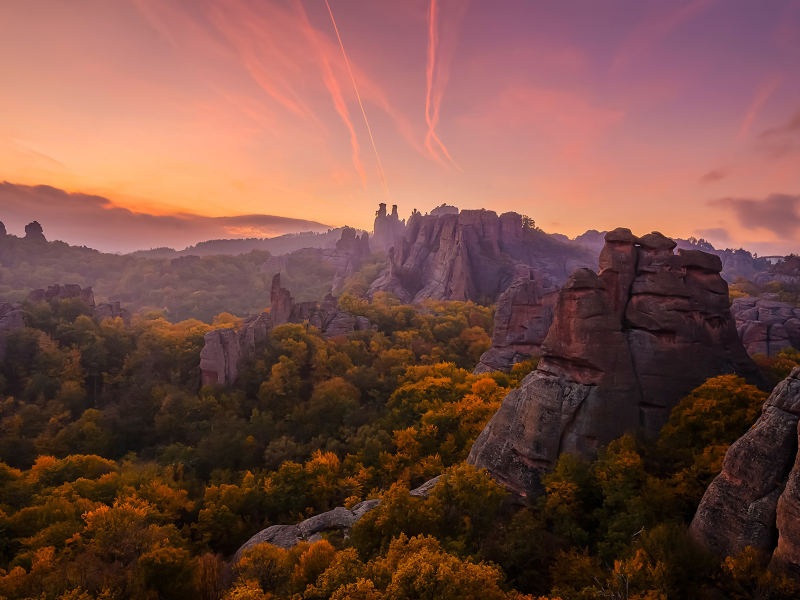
[(158, 117)]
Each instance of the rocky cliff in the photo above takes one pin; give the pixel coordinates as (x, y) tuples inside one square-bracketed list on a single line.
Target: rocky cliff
[(766, 326), (473, 255), (624, 347), (521, 322), (388, 228), (755, 500)]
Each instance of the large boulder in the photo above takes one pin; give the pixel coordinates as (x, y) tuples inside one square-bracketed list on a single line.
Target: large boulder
[(521, 322), (625, 346), (34, 232), (765, 325), (751, 502)]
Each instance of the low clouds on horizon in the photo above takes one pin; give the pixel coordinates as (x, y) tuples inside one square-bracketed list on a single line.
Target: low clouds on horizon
[(777, 213), (95, 221)]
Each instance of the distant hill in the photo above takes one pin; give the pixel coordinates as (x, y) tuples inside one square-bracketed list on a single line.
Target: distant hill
[(282, 244)]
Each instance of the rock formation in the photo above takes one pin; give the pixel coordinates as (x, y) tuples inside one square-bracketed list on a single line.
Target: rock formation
[(2, 229), (225, 349), (473, 256), (63, 292), (786, 271), (625, 346), (751, 502), (766, 326), (11, 319), (388, 229), (521, 322), (111, 310), (34, 232)]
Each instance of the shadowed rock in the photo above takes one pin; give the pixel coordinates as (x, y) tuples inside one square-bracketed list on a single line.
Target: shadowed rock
[(34, 232), (766, 326), (751, 503), (625, 346)]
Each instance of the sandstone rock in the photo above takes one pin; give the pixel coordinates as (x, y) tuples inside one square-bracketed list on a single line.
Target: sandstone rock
[(2, 229), (34, 232), (521, 322), (280, 301), (766, 326), (473, 256), (747, 503), (388, 229), (288, 536), (624, 348), (63, 292), (110, 310), (225, 349)]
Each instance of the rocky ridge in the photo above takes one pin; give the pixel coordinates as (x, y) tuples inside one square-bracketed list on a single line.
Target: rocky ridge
[(388, 228), (474, 255), (624, 347), (104, 310), (766, 326), (521, 321), (755, 500)]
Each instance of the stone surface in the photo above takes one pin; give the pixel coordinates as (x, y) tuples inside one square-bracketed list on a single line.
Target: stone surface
[(111, 310), (751, 503), (473, 255), (624, 348), (225, 350), (34, 232), (388, 229), (766, 326), (521, 321), (2, 229)]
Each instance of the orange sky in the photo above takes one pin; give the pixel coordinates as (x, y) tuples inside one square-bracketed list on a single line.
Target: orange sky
[(679, 115)]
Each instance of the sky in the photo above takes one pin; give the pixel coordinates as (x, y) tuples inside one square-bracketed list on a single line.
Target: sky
[(131, 124)]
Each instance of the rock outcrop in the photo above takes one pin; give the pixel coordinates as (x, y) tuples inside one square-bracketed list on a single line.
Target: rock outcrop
[(474, 256), (785, 271), (2, 229), (625, 346), (34, 232), (521, 322), (751, 502), (388, 229), (225, 349), (766, 326), (63, 292), (111, 310), (11, 319)]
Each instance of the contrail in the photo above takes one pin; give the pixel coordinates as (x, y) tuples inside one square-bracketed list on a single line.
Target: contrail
[(355, 87), (433, 119)]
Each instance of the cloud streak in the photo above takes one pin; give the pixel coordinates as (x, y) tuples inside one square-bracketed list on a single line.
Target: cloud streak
[(777, 213), (97, 222)]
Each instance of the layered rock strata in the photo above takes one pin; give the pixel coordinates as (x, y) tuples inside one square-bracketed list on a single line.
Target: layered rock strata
[(625, 346), (473, 255), (766, 326), (521, 322), (755, 500)]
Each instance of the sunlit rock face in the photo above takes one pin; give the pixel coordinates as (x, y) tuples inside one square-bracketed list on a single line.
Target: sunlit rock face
[(473, 255), (625, 346), (388, 229), (755, 500)]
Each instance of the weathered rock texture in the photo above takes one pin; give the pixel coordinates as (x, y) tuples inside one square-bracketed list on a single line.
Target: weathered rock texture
[(521, 322), (388, 229), (751, 502), (766, 326), (786, 271), (473, 255), (624, 347), (225, 349), (11, 319)]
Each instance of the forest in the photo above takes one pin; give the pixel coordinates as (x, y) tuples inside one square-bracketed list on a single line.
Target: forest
[(122, 478), (187, 287)]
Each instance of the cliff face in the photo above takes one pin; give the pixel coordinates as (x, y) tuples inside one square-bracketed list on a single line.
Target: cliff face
[(474, 255), (521, 322), (755, 500), (388, 229), (766, 326), (624, 347)]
